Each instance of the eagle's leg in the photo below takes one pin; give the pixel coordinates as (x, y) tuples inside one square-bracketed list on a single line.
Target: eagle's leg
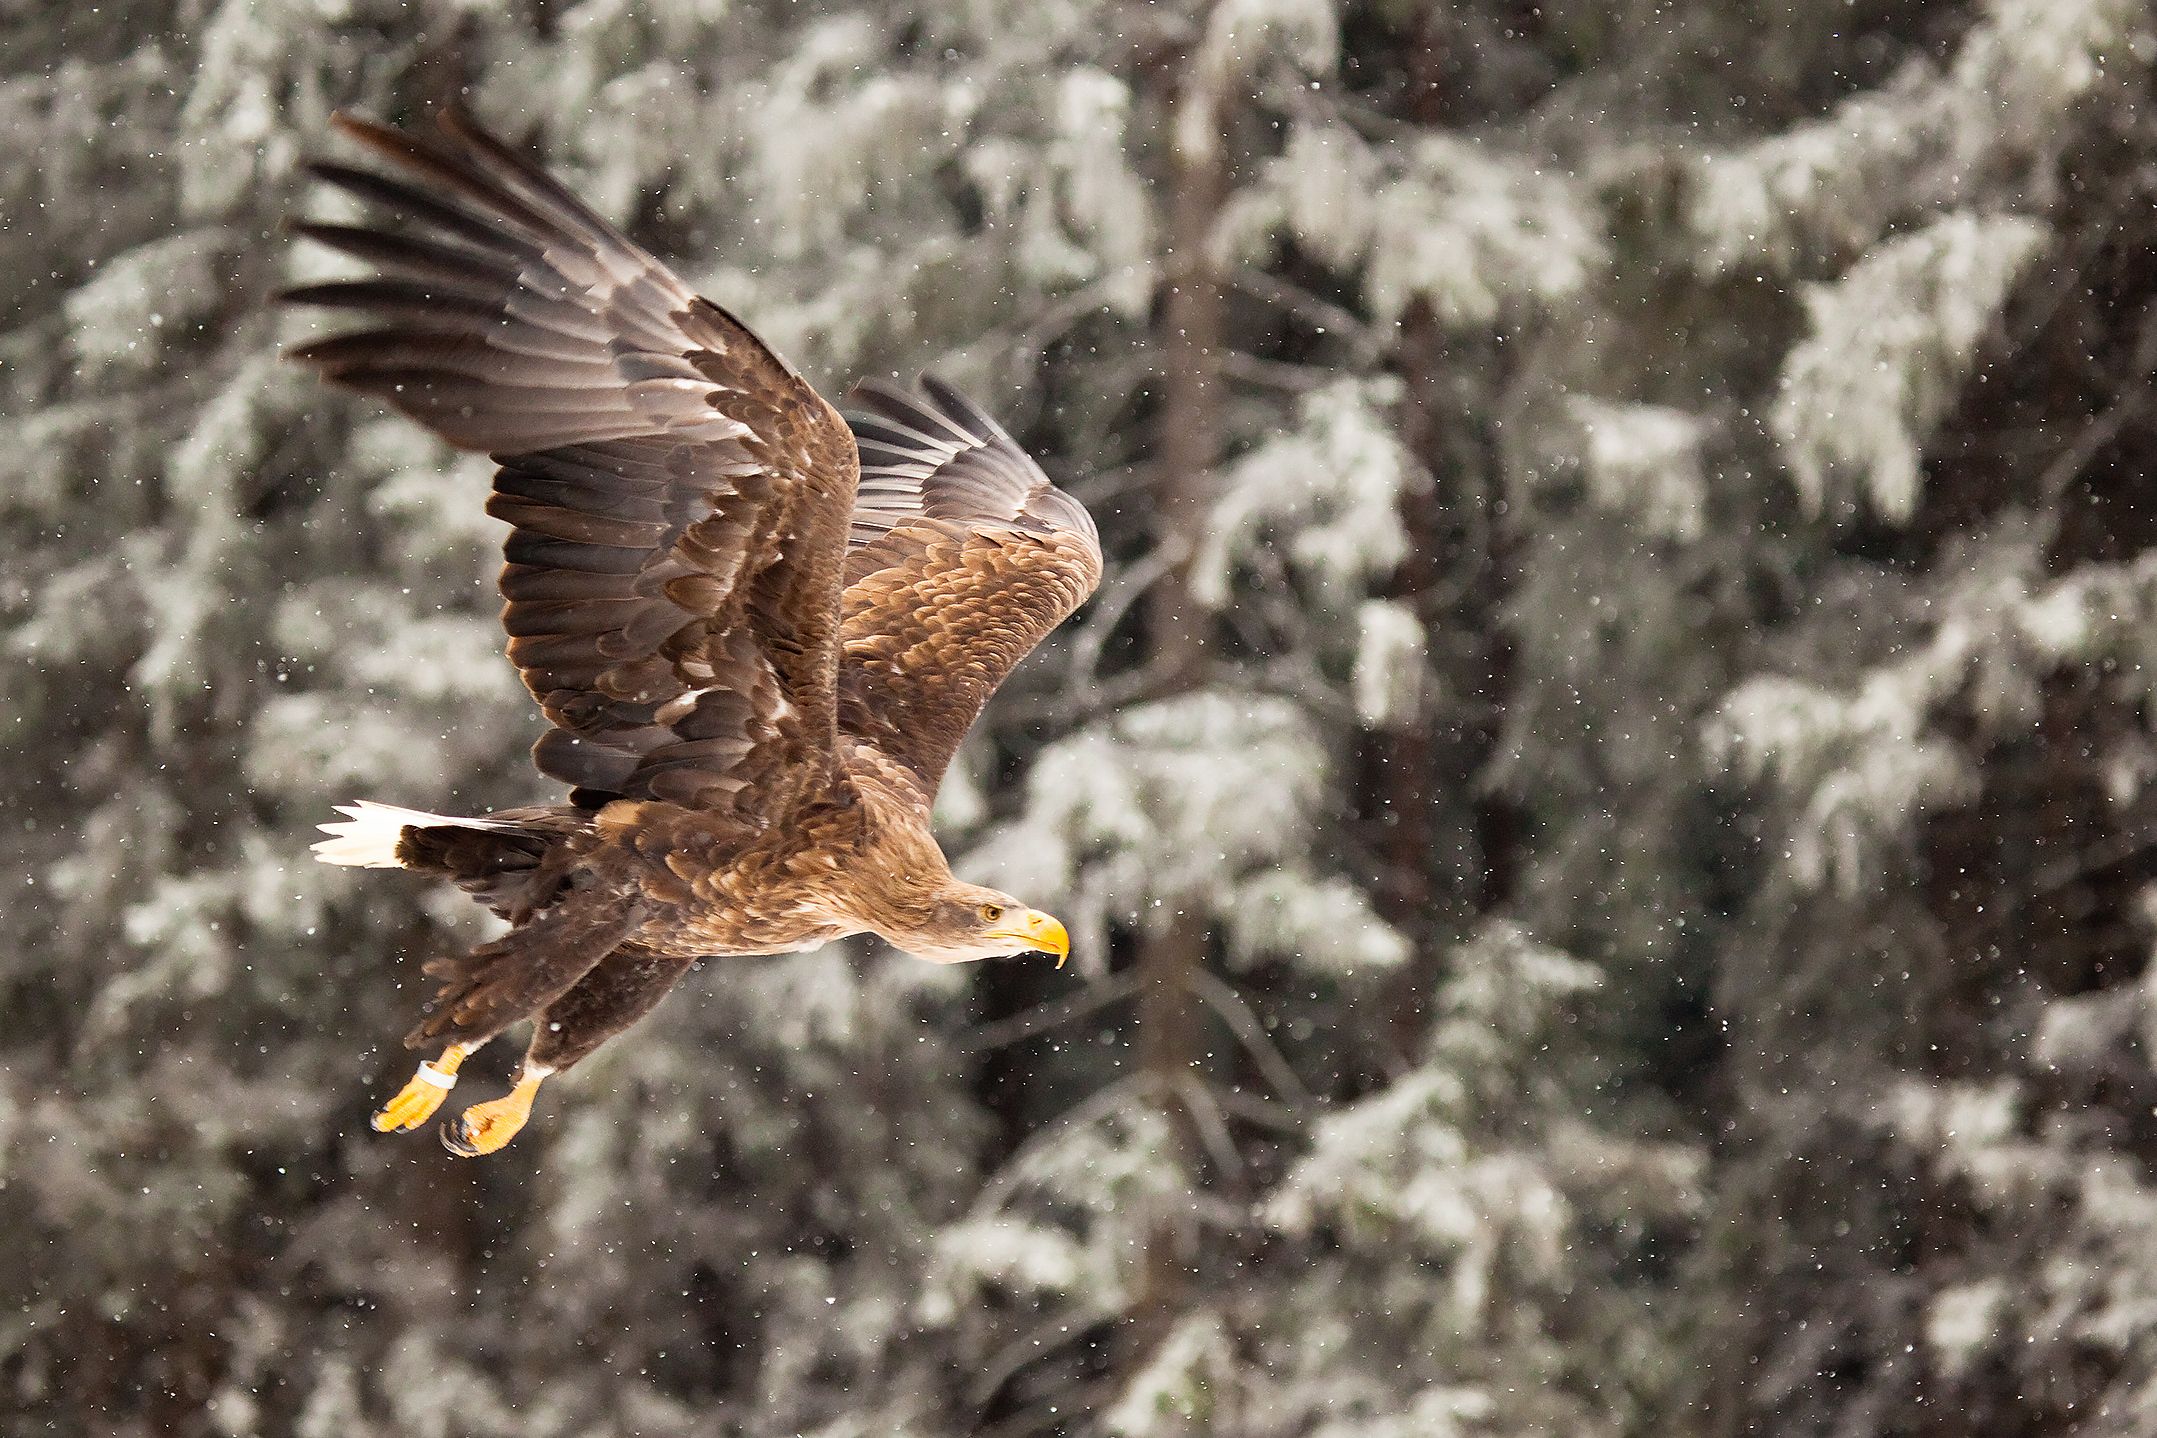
[(416, 1102), (620, 989), (485, 1127)]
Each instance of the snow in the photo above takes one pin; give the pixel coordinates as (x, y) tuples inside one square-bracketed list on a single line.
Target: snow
[(1686, 936)]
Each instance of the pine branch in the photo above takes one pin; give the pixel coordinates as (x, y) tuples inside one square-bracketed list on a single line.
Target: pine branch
[(1223, 999)]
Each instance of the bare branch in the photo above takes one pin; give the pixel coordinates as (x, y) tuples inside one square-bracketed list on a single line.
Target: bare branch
[(1096, 1106), (1205, 1111), (1033, 1343), (1319, 313), (1043, 1017), (1120, 594), (1225, 1001), (1258, 1109)]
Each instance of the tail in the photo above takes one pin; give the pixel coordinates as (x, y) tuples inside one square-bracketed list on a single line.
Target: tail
[(516, 863), (372, 834)]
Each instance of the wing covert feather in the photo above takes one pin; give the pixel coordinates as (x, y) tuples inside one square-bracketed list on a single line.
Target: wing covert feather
[(961, 557)]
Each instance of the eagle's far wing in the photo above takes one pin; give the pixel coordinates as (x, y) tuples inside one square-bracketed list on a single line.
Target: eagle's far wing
[(962, 556), (678, 495)]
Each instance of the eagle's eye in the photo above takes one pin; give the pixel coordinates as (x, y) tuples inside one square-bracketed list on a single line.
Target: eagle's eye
[(990, 913)]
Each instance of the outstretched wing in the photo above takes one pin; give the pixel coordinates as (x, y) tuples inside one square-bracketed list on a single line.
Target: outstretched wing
[(679, 495), (962, 556)]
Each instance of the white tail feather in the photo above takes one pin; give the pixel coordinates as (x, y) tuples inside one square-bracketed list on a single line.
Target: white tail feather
[(368, 837)]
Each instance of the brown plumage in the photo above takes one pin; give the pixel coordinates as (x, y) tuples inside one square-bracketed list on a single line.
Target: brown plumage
[(758, 629)]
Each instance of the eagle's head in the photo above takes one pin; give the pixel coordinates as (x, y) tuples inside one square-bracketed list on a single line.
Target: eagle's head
[(965, 921)]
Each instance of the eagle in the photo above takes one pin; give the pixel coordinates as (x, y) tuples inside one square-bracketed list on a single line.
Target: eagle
[(757, 627)]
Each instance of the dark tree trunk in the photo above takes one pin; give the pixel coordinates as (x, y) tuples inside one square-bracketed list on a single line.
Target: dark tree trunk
[(1189, 418), (1449, 853), (1399, 792)]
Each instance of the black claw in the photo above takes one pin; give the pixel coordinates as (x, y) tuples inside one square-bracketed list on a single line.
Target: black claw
[(455, 1140)]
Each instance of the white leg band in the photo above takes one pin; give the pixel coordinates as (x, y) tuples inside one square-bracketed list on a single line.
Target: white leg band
[(440, 1078)]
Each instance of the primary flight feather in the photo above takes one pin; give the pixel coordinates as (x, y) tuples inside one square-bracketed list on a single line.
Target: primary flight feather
[(758, 628)]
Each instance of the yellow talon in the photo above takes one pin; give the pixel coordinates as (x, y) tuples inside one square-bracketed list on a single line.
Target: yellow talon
[(485, 1127), (416, 1102)]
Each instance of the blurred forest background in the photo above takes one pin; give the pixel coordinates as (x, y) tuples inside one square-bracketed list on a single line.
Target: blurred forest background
[(1608, 803)]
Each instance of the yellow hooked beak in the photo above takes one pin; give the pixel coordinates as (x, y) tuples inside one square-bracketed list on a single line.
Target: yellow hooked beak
[(1036, 930)]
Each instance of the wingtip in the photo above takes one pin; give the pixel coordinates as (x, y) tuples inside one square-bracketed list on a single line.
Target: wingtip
[(319, 293), (890, 387), (940, 389), (870, 392), (325, 355), (929, 407), (297, 354), (355, 125), (456, 117), (401, 147)]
